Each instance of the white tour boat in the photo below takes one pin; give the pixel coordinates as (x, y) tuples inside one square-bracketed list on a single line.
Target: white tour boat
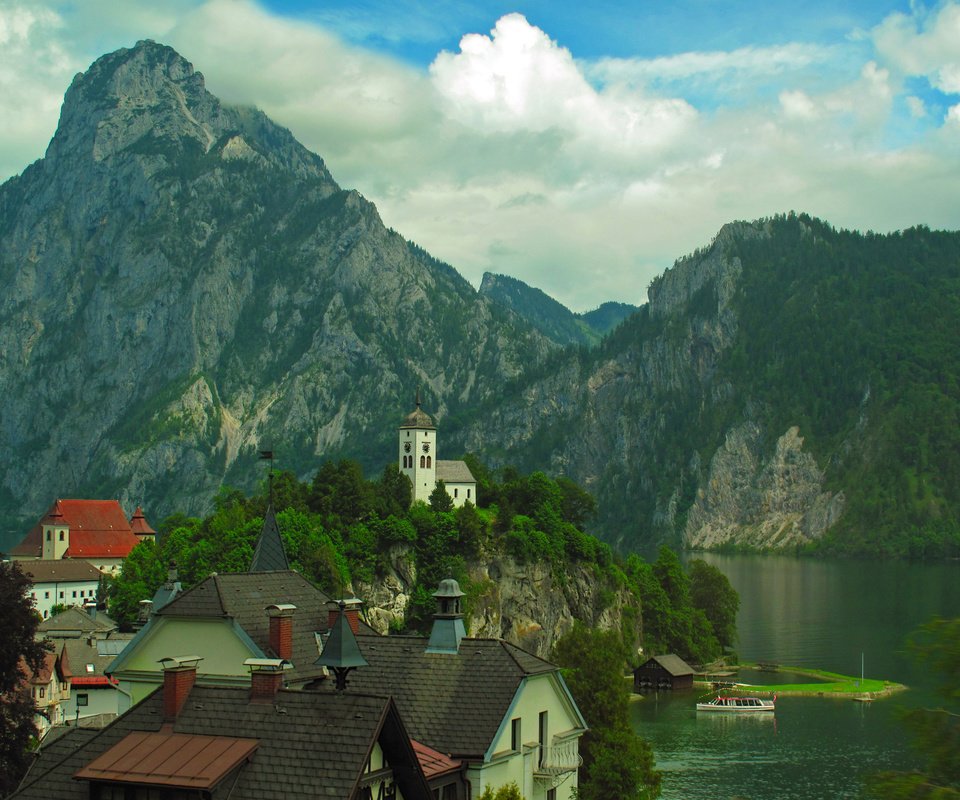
[(738, 705)]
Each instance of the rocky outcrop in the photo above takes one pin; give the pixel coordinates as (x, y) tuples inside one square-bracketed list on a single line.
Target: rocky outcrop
[(761, 500), (526, 604)]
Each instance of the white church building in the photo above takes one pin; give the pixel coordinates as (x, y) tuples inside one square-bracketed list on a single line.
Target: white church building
[(418, 461)]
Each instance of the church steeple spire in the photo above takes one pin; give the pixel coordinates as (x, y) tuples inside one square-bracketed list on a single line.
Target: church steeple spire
[(269, 554)]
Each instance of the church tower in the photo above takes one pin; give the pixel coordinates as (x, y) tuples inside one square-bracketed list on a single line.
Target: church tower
[(418, 452)]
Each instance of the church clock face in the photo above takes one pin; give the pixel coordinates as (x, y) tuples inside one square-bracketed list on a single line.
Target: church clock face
[(426, 447), (406, 447)]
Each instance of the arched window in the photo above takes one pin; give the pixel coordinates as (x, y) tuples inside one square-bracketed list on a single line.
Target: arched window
[(428, 461), (423, 461)]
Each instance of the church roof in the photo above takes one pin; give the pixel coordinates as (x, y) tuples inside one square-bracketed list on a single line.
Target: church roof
[(139, 524), (418, 418), (269, 555), (101, 524), (454, 472)]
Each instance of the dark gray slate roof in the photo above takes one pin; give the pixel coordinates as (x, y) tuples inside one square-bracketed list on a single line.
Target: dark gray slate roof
[(452, 702), (244, 596), (311, 744), (673, 664), (76, 619), (269, 554), (454, 472), (61, 570)]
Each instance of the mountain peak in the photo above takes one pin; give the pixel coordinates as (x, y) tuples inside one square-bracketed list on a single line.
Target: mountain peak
[(126, 95)]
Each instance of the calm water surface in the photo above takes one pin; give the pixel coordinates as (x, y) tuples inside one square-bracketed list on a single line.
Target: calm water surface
[(805, 613)]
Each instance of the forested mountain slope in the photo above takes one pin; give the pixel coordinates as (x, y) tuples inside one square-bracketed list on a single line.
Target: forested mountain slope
[(790, 385)]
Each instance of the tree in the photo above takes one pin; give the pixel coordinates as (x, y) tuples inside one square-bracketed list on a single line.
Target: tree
[(711, 592), (616, 762), (509, 792), (18, 626), (936, 731), (440, 501), (140, 576)]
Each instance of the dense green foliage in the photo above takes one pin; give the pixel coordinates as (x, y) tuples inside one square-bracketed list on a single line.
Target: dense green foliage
[(936, 731), (341, 530), (862, 350), (850, 337), (616, 762), (18, 624)]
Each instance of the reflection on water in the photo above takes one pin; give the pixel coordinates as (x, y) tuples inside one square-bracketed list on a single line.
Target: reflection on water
[(804, 613)]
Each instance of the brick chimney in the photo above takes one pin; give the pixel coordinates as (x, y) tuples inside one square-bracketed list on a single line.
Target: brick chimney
[(266, 678), (281, 629), (179, 675), (352, 612)]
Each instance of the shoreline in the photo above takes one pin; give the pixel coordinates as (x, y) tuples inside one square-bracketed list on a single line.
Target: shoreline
[(829, 684)]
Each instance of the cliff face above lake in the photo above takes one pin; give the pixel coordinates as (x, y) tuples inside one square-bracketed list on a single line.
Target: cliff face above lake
[(789, 385)]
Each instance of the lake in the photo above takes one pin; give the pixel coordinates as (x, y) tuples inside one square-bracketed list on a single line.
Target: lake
[(805, 612)]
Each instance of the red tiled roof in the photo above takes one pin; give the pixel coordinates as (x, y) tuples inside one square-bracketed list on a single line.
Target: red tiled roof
[(101, 544), (93, 680), (94, 518), (434, 763), (177, 760)]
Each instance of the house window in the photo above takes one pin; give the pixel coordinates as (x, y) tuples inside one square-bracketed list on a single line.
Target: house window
[(455, 492), (468, 494), (74, 592), (43, 692), (45, 613), (428, 461), (542, 736), (61, 595), (46, 595), (551, 794), (49, 536), (81, 592), (515, 740), (423, 461), (61, 536)]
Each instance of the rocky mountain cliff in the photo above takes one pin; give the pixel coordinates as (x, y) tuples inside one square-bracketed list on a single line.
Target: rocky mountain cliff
[(789, 385), (185, 283)]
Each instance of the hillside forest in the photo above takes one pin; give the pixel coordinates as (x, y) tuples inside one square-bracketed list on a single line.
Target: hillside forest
[(338, 528)]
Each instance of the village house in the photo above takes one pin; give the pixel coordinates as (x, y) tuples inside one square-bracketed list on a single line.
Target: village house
[(61, 583), (253, 742), (505, 713), (95, 531), (50, 689), (91, 641), (269, 612)]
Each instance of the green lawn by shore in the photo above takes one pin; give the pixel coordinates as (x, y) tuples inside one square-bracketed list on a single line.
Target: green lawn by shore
[(827, 683)]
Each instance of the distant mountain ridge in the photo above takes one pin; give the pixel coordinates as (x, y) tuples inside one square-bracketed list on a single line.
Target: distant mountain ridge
[(550, 317)]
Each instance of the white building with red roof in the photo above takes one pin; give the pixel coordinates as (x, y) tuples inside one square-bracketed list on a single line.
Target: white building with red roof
[(96, 531)]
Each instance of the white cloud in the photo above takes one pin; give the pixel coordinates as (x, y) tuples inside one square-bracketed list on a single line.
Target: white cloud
[(923, 44), (510, 155), (34, 71)]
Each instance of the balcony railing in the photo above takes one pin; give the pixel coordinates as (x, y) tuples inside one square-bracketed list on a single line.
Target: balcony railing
[(555, 759)]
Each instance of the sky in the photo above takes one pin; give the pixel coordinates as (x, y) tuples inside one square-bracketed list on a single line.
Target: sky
[(580, 147)]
